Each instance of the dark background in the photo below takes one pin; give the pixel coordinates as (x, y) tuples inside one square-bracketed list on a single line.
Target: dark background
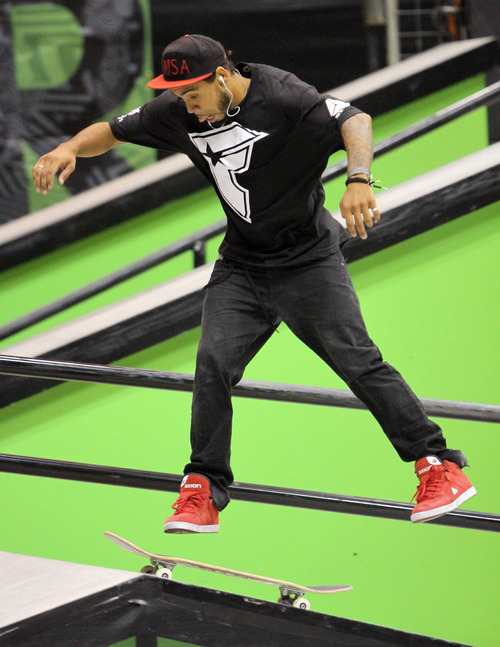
[(325, 42)]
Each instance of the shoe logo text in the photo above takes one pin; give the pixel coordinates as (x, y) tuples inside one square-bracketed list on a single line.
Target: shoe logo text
[(185, 484)]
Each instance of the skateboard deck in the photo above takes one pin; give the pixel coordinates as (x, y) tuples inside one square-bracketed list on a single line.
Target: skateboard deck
[(163, 565)]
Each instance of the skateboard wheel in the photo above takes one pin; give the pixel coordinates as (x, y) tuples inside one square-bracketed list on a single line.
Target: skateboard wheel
[(164, 573), (302, 603), (148, 569)]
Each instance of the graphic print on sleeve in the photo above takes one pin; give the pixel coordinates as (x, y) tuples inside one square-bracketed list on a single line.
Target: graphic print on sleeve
[(336, 107), (228, 152)]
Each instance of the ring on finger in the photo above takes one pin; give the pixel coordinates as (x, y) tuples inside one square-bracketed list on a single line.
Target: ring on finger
[(40, 166)]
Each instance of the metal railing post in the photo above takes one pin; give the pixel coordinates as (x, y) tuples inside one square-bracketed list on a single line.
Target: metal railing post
[(392, 33)]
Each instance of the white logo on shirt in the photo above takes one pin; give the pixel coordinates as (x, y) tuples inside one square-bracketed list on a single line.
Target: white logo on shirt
[(132, 112), (228, 152), (336, 107)]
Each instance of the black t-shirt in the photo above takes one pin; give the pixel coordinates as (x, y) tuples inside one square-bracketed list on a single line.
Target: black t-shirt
[(265, 163)]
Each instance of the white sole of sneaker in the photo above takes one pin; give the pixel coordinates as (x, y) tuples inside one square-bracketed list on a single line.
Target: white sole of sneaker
[(182, 527), (428, 515)]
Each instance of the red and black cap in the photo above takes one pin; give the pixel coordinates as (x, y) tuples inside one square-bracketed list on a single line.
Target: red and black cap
[(187, 60)]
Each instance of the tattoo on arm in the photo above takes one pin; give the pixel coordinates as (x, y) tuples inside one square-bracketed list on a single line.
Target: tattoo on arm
[(358, 140)]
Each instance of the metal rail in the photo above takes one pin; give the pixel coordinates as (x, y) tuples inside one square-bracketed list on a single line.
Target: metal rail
[(126, 376), (482, 97), (194, 242), (241, 491)]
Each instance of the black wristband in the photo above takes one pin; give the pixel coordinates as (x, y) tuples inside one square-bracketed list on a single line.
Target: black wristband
[(361, 180)]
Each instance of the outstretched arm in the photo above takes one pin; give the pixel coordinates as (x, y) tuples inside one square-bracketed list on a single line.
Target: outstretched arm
[(89, 142), (358, 205)]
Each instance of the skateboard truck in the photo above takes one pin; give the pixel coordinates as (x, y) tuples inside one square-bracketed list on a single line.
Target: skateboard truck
[(160, 569), (293, 598)]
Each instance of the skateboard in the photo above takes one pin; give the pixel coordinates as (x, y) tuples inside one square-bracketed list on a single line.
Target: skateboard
[(163, 565)]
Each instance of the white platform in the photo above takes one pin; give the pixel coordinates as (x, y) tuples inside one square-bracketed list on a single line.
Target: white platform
[(33, 585)]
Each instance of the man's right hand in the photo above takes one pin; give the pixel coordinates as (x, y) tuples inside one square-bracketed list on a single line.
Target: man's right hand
[(89, 142), (61, 158)]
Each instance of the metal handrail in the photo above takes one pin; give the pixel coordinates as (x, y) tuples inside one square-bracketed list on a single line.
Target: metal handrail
[(271, 495), (127, 376), (482, 97), (189, 243)]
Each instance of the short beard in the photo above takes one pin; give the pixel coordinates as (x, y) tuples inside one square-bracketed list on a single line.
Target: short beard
[(224, 103)]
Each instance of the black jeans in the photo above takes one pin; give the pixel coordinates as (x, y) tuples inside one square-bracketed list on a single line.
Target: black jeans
[(318, 303)]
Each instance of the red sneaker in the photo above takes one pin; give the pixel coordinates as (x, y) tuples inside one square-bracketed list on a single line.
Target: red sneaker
[(195, 510), (443, 487)]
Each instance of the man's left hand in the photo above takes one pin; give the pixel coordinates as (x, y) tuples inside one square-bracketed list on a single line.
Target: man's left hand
[(359, 208)]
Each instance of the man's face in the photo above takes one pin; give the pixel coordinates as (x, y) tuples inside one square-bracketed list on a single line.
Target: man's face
[(208, 101)]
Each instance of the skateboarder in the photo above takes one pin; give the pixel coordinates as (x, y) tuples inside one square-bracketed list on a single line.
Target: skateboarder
[(262, 137)]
